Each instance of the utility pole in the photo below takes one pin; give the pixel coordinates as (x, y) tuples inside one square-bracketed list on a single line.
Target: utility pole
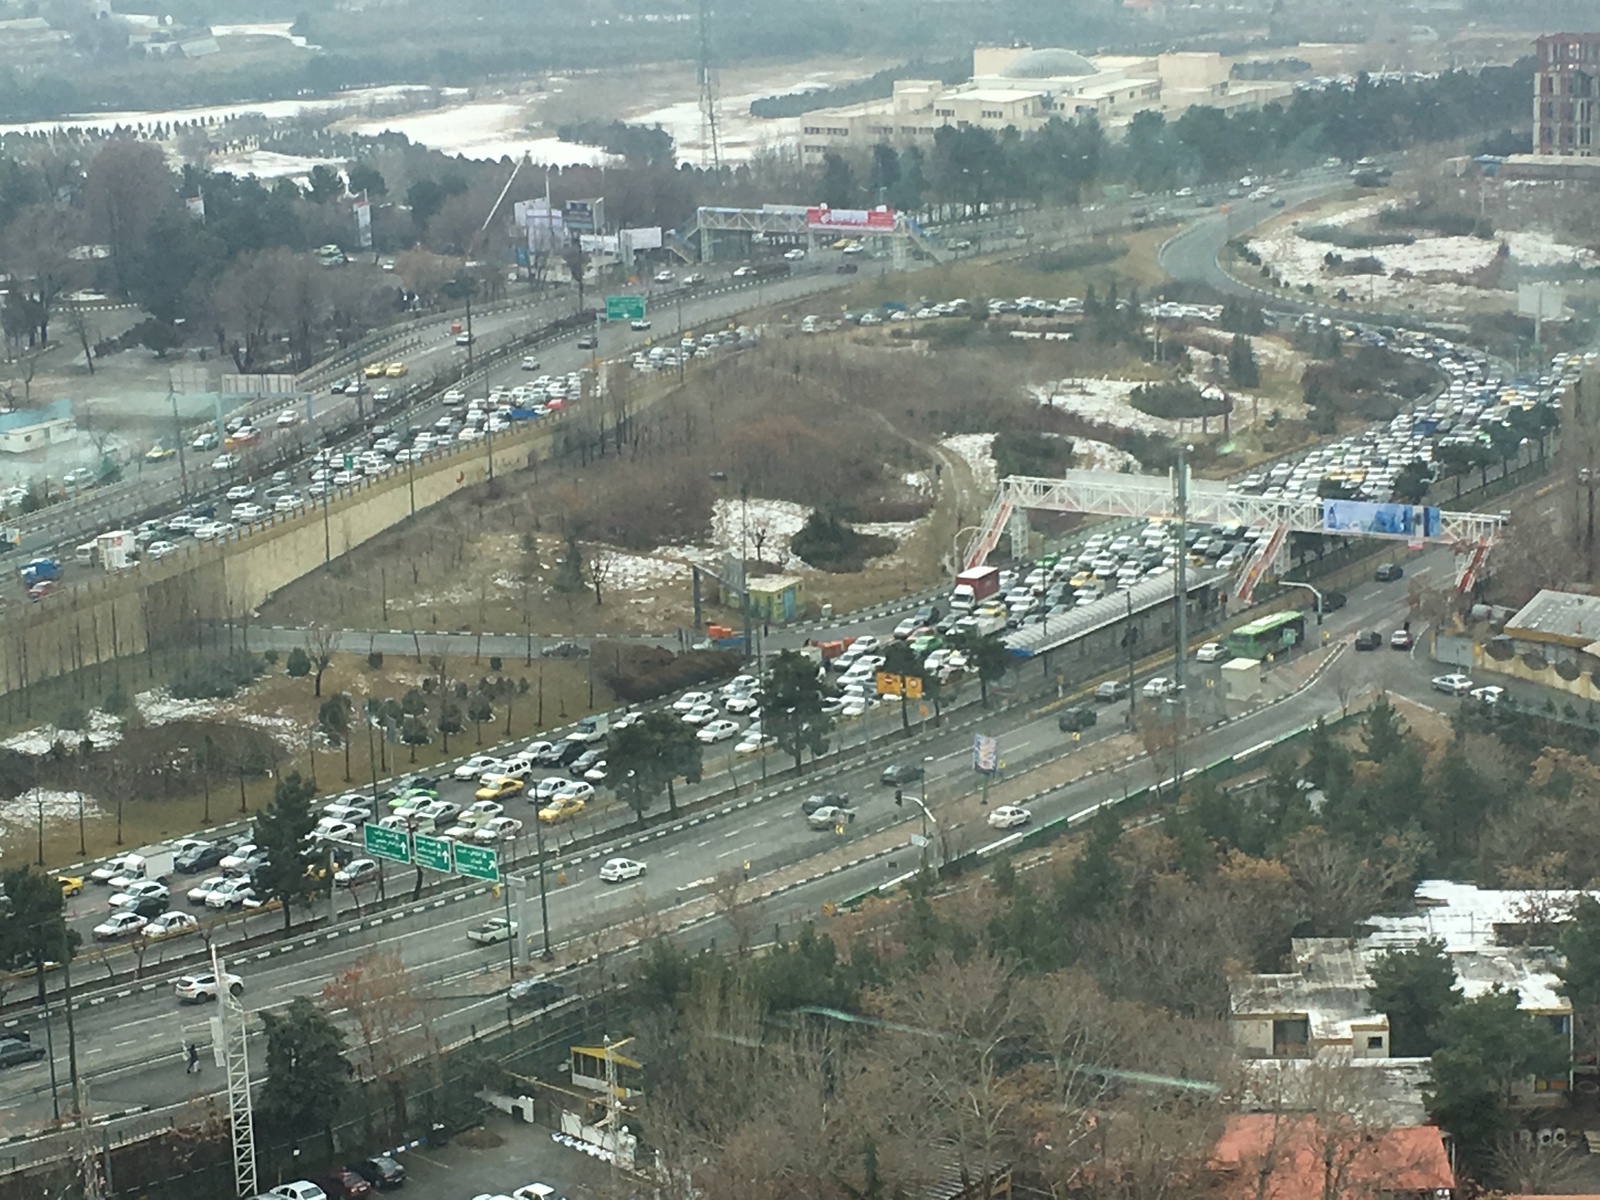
[(230, 1032), (544, 903), (1180, 579)]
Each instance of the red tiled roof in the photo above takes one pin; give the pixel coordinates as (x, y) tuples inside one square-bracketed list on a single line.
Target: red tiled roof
[(1299, 1153)]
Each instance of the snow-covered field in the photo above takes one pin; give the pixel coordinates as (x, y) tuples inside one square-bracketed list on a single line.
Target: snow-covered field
[(272, 29), (103, 731), (1104, 401), (269, 164), (978, 451), (491, 129), (1090, 455), (736, 527), (22, 812)]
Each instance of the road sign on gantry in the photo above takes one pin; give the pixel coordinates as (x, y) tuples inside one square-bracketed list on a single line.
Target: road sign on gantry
[(624, 308), (385, 843), (479, 862), (432, 852)]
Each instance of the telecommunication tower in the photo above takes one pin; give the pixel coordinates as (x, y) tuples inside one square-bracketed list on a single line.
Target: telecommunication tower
[(710, 144)]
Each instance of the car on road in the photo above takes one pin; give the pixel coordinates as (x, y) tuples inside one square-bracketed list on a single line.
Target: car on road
[(477, 765), (561, 808), (565, 650), (171, 924), (231, 893), (381, 1171), (1077, 719), (357, 870), (536, 1191), (480, 812), (1452, 684), (1388, 573), (224, 462), (901, 773), (498, 787), (691, 700), (204, 986), (492, 932), (1400, 639), (1158, 688), (1111, 690), (248, 513), (588, 342), (1009, 816), (238, 492), (71, 885), (1369, 639), (830, 816), (743, 702), (754, 742), (396, 370), (700, 714), (639, 324), (243, 857), (14, 1052), (159, 453), (1211, 652), (198, 857), (537, 992), (497, 829), (137, 890), (463, 338), (616, 870), (156, 551), (198, 893), (1488, 694), (206, 441), (119, 925), (823, 800), (717, 731), (794, 255)]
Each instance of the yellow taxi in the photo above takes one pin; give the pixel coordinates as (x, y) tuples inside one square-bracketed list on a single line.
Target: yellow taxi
[(374, 370), (396, 370), (71, 885), (497, 787), (561, 808)]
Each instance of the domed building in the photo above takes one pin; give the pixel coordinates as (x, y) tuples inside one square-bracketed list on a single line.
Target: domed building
[(1025, 87)]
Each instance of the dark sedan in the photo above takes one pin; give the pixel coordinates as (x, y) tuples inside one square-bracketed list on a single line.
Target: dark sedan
[(381, 1171)]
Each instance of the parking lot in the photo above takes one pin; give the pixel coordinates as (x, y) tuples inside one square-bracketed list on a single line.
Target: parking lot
[(498, 1158)]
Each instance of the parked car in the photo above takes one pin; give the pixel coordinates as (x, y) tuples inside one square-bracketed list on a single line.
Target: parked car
[(1452, 684), (381, 1171), (345, 1184), (300, 1189)]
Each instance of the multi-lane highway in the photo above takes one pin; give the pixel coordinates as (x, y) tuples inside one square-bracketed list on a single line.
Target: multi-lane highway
[(130, 1046)]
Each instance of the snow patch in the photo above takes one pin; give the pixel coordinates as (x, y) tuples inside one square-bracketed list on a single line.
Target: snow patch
[(1533, 249), (492, 129), (977, 449), (104, 730), (1091, 455), (24, 810), (775, 521), (1104, 401), (626, 571)]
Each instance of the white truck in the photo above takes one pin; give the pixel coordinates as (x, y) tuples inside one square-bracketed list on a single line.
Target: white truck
[(591, 729), (148, 862), (981, 624)]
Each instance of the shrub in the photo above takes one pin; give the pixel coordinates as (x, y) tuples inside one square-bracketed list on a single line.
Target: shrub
[(494, 662), (215, 677), (640, 673), (1025, 452), (298, 664), (828, 544), (116, 700), (1073, 258), (375, 659), (1174, 400), (1351, 239), (270, 657)]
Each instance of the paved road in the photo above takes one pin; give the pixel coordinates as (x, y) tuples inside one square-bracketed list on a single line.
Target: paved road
[(131, 1047)]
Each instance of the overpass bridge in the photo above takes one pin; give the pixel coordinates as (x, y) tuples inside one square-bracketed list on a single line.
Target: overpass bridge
[(715, 229)]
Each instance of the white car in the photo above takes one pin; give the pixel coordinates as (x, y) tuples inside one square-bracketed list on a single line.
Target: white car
[(333, 829), (300, 1189), (616, 870), (156, 551), (243, 491), (1158, 688), (142, 889), (550, 786), (530, 363), (224, 462), (288, 417), (794, 255), (576, 789), (478, 765), (231, 894), (700, 714), (248, 513), (755, 743), (690, 700), (1452, 684), (1489, 694), (498, 829), (1211, 652), (492, 931), (171, 924), (743, 702), (665, 277), (119, 925), (206, 985), (480, 812), (739, 684), (1009, 816), (198, 893), (717, 731), (239, 857), (357, 870)]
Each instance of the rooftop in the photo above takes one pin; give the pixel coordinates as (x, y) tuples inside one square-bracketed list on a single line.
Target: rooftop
[(1329, 986), (1292, 1153), (996, 95), (1048, 64), (1387, 1090), (1568, 618)]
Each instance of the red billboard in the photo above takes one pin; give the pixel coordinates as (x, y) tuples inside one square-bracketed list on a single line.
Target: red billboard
[(823, 217)]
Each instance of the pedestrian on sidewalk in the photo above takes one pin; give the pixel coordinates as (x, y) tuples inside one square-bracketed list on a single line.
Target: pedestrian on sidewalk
[(194, 1060)]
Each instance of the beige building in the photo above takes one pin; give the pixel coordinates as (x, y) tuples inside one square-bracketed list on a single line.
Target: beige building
[(1025, 88)]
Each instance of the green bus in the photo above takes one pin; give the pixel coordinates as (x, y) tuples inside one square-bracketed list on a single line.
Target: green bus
[(1268, 635)]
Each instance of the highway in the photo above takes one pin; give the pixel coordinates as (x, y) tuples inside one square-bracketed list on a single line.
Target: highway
[(131, 1047)]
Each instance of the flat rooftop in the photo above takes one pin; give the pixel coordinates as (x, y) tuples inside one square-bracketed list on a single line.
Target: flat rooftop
[(1568, 618)]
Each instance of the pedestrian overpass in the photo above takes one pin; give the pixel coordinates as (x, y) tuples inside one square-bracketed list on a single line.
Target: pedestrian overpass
[(716, 228), (1469, 535)]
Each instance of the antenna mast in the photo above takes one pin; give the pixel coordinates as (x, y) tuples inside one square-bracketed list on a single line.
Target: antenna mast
[(710, 145)]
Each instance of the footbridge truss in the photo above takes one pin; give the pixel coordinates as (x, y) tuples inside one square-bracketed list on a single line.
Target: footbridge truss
[(1113, 494)]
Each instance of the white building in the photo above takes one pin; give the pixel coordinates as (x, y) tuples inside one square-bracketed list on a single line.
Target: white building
[(1025, 88)]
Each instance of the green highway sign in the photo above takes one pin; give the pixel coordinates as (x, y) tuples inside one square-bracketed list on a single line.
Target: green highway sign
[(623, 308), (386, 843), (349, 461), (478, 862), (432, 852)]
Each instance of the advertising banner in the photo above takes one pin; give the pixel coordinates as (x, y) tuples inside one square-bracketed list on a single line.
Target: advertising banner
[(1383, 520), (364, 222), (643, 239), (985, 753), (586, 216), (861, 219), (197, 207)]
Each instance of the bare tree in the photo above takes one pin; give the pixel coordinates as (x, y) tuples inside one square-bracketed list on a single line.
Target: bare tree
[(78, 321), (379, 992), (127, 185), (602, 561), (322, 642), (1522, 1164), (738, 902)]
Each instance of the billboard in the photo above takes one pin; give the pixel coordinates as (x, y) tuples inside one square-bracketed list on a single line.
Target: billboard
[(586, 216), (643, 239), (196, 205), (597, 243), (1391, 520), (985, 753), (364, 222), (861, 219), (546, 230)]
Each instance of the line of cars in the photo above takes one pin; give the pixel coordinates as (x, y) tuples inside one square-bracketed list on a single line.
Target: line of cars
[(354, 1181), (662, 358)]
